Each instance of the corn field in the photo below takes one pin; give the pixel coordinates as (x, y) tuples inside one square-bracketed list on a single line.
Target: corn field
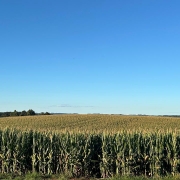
[(90, 155), (91, 123)]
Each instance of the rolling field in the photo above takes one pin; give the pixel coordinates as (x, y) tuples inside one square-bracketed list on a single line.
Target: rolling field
[(92, 123), (90, 145)]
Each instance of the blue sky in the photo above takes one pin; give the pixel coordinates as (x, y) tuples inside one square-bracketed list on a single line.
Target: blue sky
[(90, 56)]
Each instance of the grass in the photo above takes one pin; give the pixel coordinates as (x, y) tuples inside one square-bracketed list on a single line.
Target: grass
[(33, 176), (36, 176)]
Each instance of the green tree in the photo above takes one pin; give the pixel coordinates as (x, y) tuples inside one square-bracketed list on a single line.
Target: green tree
[(23, 113), (47, 113), (6, 114), (30, 112), (15, 113)]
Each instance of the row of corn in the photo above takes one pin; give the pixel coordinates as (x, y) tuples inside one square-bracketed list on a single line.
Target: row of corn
[(92, 155)]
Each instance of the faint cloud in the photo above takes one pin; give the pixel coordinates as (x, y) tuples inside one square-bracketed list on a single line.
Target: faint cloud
[(71, 106)]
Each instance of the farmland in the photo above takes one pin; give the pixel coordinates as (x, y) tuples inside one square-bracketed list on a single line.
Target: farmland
[(90, 145), (92, 123)]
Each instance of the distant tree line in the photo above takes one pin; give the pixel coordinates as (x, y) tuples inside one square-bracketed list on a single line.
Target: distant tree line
[(30, 112)]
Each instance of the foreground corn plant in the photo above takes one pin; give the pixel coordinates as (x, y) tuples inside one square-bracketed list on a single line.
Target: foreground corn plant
[(92, 155)]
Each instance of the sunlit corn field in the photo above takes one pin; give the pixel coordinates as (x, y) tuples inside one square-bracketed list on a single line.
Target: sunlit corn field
[(90, 145), (91, 123)]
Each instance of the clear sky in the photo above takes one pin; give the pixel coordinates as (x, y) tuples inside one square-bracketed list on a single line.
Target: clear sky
[(90, 56)]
